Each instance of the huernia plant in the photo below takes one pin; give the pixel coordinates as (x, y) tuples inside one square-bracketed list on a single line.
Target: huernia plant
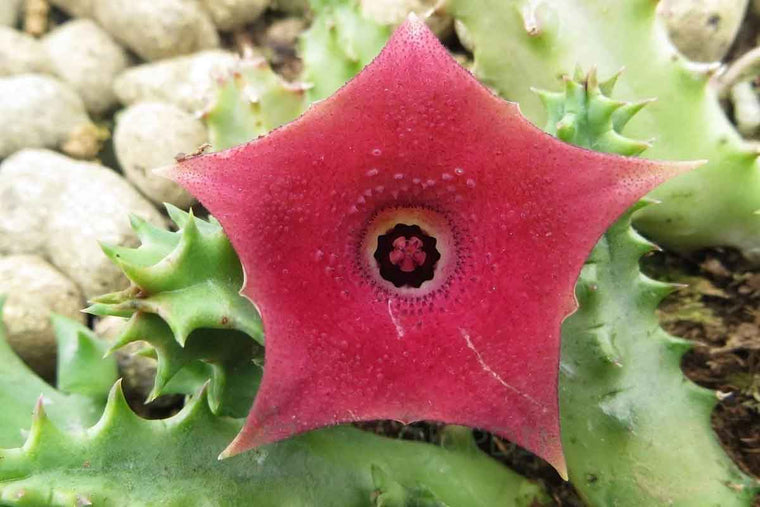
[(79, 452), (634, 431), (521, 44), (409, 249), (436, 208)]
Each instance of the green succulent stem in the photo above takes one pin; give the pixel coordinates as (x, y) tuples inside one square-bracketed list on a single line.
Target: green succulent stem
[(337, 45), (82, 375), (125, 460), (185, 302), (524, 43), (635, 431)]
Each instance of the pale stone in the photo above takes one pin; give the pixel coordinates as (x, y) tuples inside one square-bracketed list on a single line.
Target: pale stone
[(703, 30), (188, 82), (39, 111), (88, 59), (62, 208), (21, 54), (33, 290), (149, 135), (231, 14), (157, 29)]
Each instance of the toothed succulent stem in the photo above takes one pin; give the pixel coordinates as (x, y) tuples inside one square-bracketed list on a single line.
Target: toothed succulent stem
[(185, 302), (712, 206), (250, 102), (71, 455), (191, 278), (585, 115), (126, 460), (634, 430), (83, 378), (339, 43), (253, 100)]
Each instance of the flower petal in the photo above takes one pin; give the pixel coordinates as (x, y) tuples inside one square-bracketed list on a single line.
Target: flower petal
[(414, 138)]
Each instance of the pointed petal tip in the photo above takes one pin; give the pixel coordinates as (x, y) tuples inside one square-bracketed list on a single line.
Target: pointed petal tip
[(412, 17), (243, 441), (556, 458), (414, 26), (414, 22), (168, 171), (681, 167), (561, 469), (231, 450)]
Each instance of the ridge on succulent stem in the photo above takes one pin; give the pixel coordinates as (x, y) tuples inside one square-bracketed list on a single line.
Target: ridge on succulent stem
[(634, 430), (414, 140), (78, 453), (712, 206), (250, 102), (184, 301), (83, 382), (337, 45)]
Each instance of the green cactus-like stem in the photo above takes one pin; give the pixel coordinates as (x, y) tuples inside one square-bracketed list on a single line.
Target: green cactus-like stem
[(634, 430), (70, 458), (585, 115), (185, 302), (125, 460), (81, 367), (337, 45), (82, 375), (190, 278), (254, 100), (251, 102), (233, 362), (389, 493), (524, 43)]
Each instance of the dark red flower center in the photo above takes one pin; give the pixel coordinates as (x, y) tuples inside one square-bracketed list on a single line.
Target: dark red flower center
[(406, 256)]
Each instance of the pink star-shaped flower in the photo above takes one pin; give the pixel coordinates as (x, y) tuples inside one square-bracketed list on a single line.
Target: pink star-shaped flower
[(412, 244)]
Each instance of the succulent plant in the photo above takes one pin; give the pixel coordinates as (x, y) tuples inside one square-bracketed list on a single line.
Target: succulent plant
[(634, 430), (337, 45), (437, 182), (83, 383), (250, 103), (70, 457), (478, 200), (125, 460), (519, 44), (184, 301)]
